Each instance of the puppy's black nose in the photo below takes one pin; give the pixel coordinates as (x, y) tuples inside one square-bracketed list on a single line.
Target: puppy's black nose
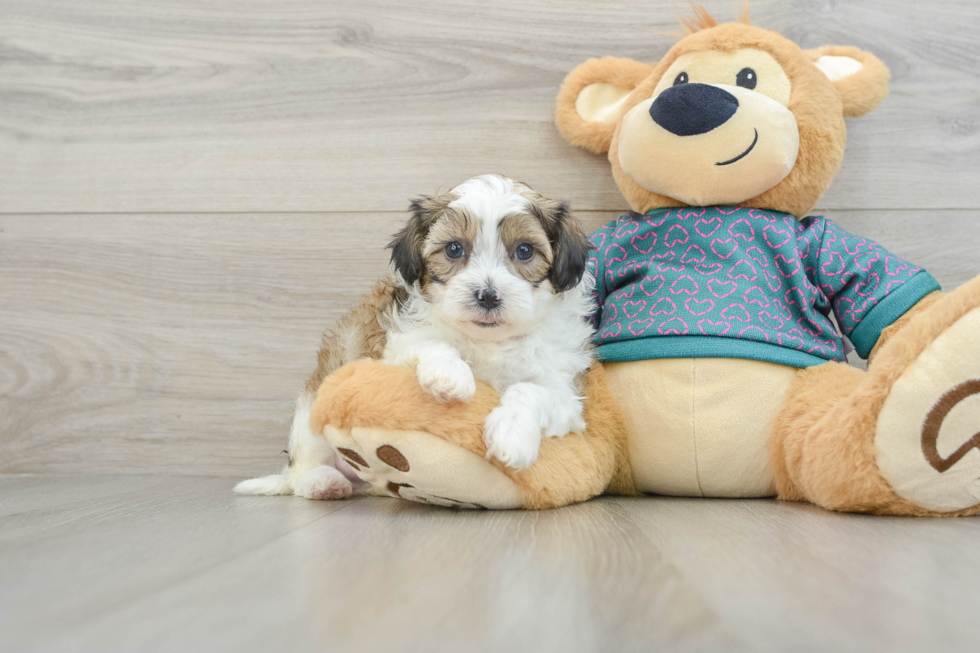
[(691, 109), (487, 298)]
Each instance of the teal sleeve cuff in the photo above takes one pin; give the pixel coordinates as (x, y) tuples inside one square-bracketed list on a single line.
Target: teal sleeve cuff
[(892, 307)]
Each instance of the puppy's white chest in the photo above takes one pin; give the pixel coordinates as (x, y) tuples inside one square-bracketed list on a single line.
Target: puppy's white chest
[(498, 366)]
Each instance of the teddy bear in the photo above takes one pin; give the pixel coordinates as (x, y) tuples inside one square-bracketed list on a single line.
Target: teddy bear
[(721, 311)]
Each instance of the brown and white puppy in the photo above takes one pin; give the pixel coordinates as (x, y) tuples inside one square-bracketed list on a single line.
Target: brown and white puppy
[(489, 284)]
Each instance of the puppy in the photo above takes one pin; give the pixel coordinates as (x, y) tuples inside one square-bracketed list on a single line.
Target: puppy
[(489, 284)]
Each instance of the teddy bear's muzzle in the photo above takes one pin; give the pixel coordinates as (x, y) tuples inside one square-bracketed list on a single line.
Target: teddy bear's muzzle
[(707, 144)]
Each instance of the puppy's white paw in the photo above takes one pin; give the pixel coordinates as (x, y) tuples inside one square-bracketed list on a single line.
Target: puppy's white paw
[(511, 437), (323, 482), (446, 379)]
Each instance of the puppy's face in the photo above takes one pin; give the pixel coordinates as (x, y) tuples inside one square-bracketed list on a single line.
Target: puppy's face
[(490, 255)]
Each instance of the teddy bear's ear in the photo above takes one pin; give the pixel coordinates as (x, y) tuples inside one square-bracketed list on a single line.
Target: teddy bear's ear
[(591, 97), (859, 77)]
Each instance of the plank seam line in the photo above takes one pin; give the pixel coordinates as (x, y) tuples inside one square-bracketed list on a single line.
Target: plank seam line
[(815, 211)]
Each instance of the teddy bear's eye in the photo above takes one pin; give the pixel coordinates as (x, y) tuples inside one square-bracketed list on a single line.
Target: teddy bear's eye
[(681, 79), (746, 78)]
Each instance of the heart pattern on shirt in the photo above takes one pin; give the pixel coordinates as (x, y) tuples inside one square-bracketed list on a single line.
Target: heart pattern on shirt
[(744, 273)]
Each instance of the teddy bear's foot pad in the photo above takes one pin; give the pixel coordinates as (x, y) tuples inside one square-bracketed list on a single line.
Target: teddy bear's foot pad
[(928, 431), (421, 467)]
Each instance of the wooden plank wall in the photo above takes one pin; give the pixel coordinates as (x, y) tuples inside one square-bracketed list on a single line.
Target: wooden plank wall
[(190, 191)]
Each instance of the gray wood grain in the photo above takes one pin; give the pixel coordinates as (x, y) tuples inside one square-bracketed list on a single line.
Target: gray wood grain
[(177, 564), (91, 545), (176, 344), (354, 105)]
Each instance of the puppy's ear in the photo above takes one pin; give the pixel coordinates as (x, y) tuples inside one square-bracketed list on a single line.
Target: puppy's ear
[(591, 98), (569, 244), (406, 246), (860, 78)]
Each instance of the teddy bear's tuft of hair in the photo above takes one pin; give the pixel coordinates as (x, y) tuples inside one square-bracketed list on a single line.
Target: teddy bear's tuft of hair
[(702, 19)]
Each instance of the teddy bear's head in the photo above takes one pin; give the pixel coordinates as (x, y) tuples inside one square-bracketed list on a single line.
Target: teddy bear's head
[(732, 115)]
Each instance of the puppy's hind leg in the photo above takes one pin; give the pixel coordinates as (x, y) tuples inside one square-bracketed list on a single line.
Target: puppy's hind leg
[(312, 470), (323, 482)]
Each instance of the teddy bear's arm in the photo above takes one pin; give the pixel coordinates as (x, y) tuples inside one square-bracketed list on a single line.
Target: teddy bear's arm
[(868, 287), (596, 267), (896, 326)]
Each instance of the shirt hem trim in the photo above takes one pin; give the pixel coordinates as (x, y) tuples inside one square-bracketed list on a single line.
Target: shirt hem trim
[(704, 347)]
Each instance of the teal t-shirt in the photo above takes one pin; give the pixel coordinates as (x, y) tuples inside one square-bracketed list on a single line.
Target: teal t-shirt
[(743, 283)]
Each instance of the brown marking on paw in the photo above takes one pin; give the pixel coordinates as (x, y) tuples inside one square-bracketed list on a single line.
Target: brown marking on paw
[(934, 421), (354, 466), (393, 457), (351, 455), (457, 503), (395, 488)]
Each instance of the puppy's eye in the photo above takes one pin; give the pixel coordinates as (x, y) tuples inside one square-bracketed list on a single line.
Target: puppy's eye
[(524, 252), (454, 250), (681, 79), (746, 78)]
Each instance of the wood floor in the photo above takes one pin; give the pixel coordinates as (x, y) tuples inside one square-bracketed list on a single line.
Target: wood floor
[(191, 191), (164, 563)]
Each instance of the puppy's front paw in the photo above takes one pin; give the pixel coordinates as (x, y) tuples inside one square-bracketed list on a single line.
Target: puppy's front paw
[(446, 379), (511, 438)]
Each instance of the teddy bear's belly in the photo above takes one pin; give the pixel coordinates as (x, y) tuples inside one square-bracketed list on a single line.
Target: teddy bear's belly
[(700, 426)]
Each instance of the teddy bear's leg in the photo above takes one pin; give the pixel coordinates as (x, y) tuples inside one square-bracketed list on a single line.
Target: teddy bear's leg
[(404, 443), (900, 439)]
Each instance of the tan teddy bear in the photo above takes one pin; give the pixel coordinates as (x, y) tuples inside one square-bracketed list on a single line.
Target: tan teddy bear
[(723, 373)]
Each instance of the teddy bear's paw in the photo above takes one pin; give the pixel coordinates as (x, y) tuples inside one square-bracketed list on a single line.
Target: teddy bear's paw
[(447, 379), (510, 438), (928, 432), (323, 482), (421, 467)]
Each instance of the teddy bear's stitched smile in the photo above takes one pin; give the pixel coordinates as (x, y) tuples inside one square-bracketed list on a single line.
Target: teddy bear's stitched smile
[(743, 154)]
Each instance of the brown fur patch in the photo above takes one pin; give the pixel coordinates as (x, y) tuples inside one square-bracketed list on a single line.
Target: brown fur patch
[(407, 245), (453, 225), (570, 245), (518, 229), (361, 333)]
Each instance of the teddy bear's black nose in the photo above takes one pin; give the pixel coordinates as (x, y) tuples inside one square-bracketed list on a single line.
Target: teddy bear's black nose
[(690, 109)]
